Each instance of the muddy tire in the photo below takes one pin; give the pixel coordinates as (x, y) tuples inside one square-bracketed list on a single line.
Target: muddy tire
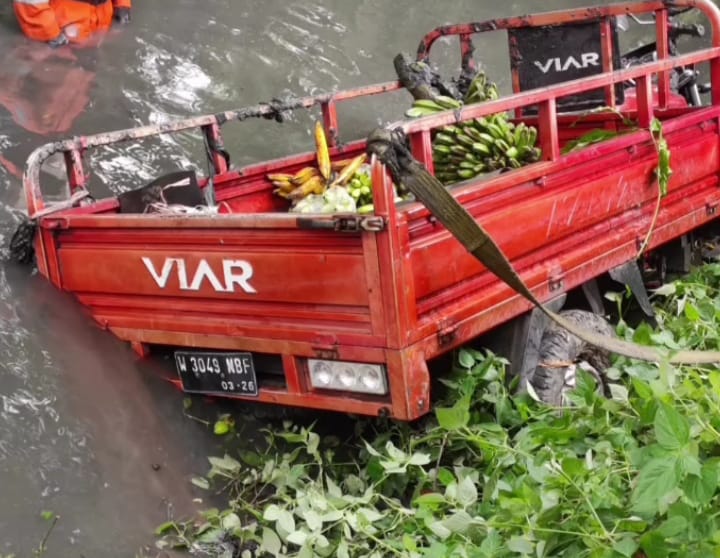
[(561, 354)]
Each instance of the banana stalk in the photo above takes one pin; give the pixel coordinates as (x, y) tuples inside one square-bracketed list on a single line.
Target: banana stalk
[(323, 154)]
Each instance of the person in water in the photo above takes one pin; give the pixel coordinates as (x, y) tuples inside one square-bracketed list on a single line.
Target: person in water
[(59, 22)]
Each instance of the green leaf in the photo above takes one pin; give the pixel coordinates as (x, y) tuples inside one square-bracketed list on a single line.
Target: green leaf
[(673, 526), (453, 418), (200, 482), (459, 522), (627, 546), (665, 338), (619, 393), (409, 543), (270, 542), (298, 537), (159, 530), (594, 136), (672, 430), (445, 477), (700, 490), (286, 521), (467, 493), (212, 536), (689, 465), (491, 545), (654, 545), (431, 499), (632, 525), (227, 463), (332, 516), (313, 520), (231, 522), (656, 478), (332, 488), (370, 514), (272, 513), (394, 452), (313, 442), (521, 545), (419, 459), (465, 359), (668, 289), (691, 313), (47, 515), (643, 390), (656, 127), (439, 529), (343, 551), (643, 334), (436, 550), (221, 428)]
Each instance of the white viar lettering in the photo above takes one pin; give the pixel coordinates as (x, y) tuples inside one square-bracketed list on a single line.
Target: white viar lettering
[(571, 62), (590, 59), (160, 278), (238, 272), (545, 68), (182, 275), (204, 271)]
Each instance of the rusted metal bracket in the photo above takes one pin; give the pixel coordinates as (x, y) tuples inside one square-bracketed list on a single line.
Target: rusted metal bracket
[(447, 332), (344, 223)]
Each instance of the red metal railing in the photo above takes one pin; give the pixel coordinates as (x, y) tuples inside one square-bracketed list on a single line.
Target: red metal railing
[(73, 149), (420, 129), (465, 32)]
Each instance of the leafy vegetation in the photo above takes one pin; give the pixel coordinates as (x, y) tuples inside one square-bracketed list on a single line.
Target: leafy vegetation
[(496, 475)]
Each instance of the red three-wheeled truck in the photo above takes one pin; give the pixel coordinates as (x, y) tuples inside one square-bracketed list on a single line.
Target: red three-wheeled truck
[(348, 312)]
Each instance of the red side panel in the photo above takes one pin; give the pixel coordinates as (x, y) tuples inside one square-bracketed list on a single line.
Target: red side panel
[(588, 212)]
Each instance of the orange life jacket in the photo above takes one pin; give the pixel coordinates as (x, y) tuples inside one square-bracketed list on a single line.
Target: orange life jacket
[(43, 20)]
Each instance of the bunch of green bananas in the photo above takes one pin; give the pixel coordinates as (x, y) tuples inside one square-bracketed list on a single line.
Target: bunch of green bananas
[(425, 107), (360, 186), (481, 90), (482, 145)]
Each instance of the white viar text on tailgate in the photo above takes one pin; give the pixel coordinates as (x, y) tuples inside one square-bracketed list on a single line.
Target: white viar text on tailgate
[(233, 274)]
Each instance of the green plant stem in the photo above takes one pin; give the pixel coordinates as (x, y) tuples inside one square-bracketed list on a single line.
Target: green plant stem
[(42, 547), (438, 460), (649, 234)]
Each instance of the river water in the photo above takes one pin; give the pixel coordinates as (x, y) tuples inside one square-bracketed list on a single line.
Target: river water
[(86, 429)]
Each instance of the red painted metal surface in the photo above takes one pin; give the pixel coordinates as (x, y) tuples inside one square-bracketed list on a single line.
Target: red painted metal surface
[(293, 287)]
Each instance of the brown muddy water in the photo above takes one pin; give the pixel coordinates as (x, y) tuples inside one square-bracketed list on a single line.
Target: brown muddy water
[(86, 429)]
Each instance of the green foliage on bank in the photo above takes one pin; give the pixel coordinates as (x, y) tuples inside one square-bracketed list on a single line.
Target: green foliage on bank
[(494, 475)]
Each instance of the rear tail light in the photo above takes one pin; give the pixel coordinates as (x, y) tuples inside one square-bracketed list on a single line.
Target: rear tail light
[(348, 376)]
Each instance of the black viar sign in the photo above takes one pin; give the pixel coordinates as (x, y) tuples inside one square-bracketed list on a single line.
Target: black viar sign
[(542, 56)]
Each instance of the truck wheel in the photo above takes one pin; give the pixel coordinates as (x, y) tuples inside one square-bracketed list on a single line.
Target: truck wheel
[(561, 354)]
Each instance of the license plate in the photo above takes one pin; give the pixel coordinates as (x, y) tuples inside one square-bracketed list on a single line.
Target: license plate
[(206, 372)]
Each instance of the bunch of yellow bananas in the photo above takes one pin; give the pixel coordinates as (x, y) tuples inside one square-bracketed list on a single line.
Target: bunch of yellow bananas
[(316, 180)]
